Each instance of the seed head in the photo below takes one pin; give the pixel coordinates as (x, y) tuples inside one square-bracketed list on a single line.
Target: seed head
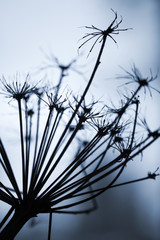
[(101, 34), (16, 89)]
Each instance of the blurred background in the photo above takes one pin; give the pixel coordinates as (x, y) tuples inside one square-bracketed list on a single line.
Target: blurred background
[(29, 30)]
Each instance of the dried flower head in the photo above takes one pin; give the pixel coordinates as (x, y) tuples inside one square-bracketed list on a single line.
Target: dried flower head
[(17, 89), (136, 77), (155, 134), (101, 125), (53, 62), (154, 174), (123, 147), (54, 102), (101, 34)]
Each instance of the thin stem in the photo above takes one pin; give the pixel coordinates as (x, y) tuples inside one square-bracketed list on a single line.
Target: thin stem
[(37, 131), (36, 143), (50, 226), (134, 126), (89, 198), (27, 138), (43, 179), (22, 149), (35, 170), (6, 217), (7, 190), (113, 186), (59, 83), (54, 129), (50, 139), (8, 169), (73, 165)]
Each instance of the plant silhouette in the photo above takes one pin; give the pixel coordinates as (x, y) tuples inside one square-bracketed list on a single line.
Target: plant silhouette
[(60, 169)]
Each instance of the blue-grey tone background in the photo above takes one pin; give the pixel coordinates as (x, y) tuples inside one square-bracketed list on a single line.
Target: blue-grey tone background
[(27, 26)]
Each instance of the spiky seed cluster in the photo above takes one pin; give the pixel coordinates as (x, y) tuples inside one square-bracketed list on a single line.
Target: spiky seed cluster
[(136, 77), (101, 34), (16, 89)]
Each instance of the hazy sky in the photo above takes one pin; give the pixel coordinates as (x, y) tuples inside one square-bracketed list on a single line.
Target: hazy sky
[(27, 27)]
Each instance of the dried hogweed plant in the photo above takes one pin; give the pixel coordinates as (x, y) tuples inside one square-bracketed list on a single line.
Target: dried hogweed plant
[(59, 168)]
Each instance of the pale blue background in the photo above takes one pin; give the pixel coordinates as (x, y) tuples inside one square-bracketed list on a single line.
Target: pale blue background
[(131, 212)]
